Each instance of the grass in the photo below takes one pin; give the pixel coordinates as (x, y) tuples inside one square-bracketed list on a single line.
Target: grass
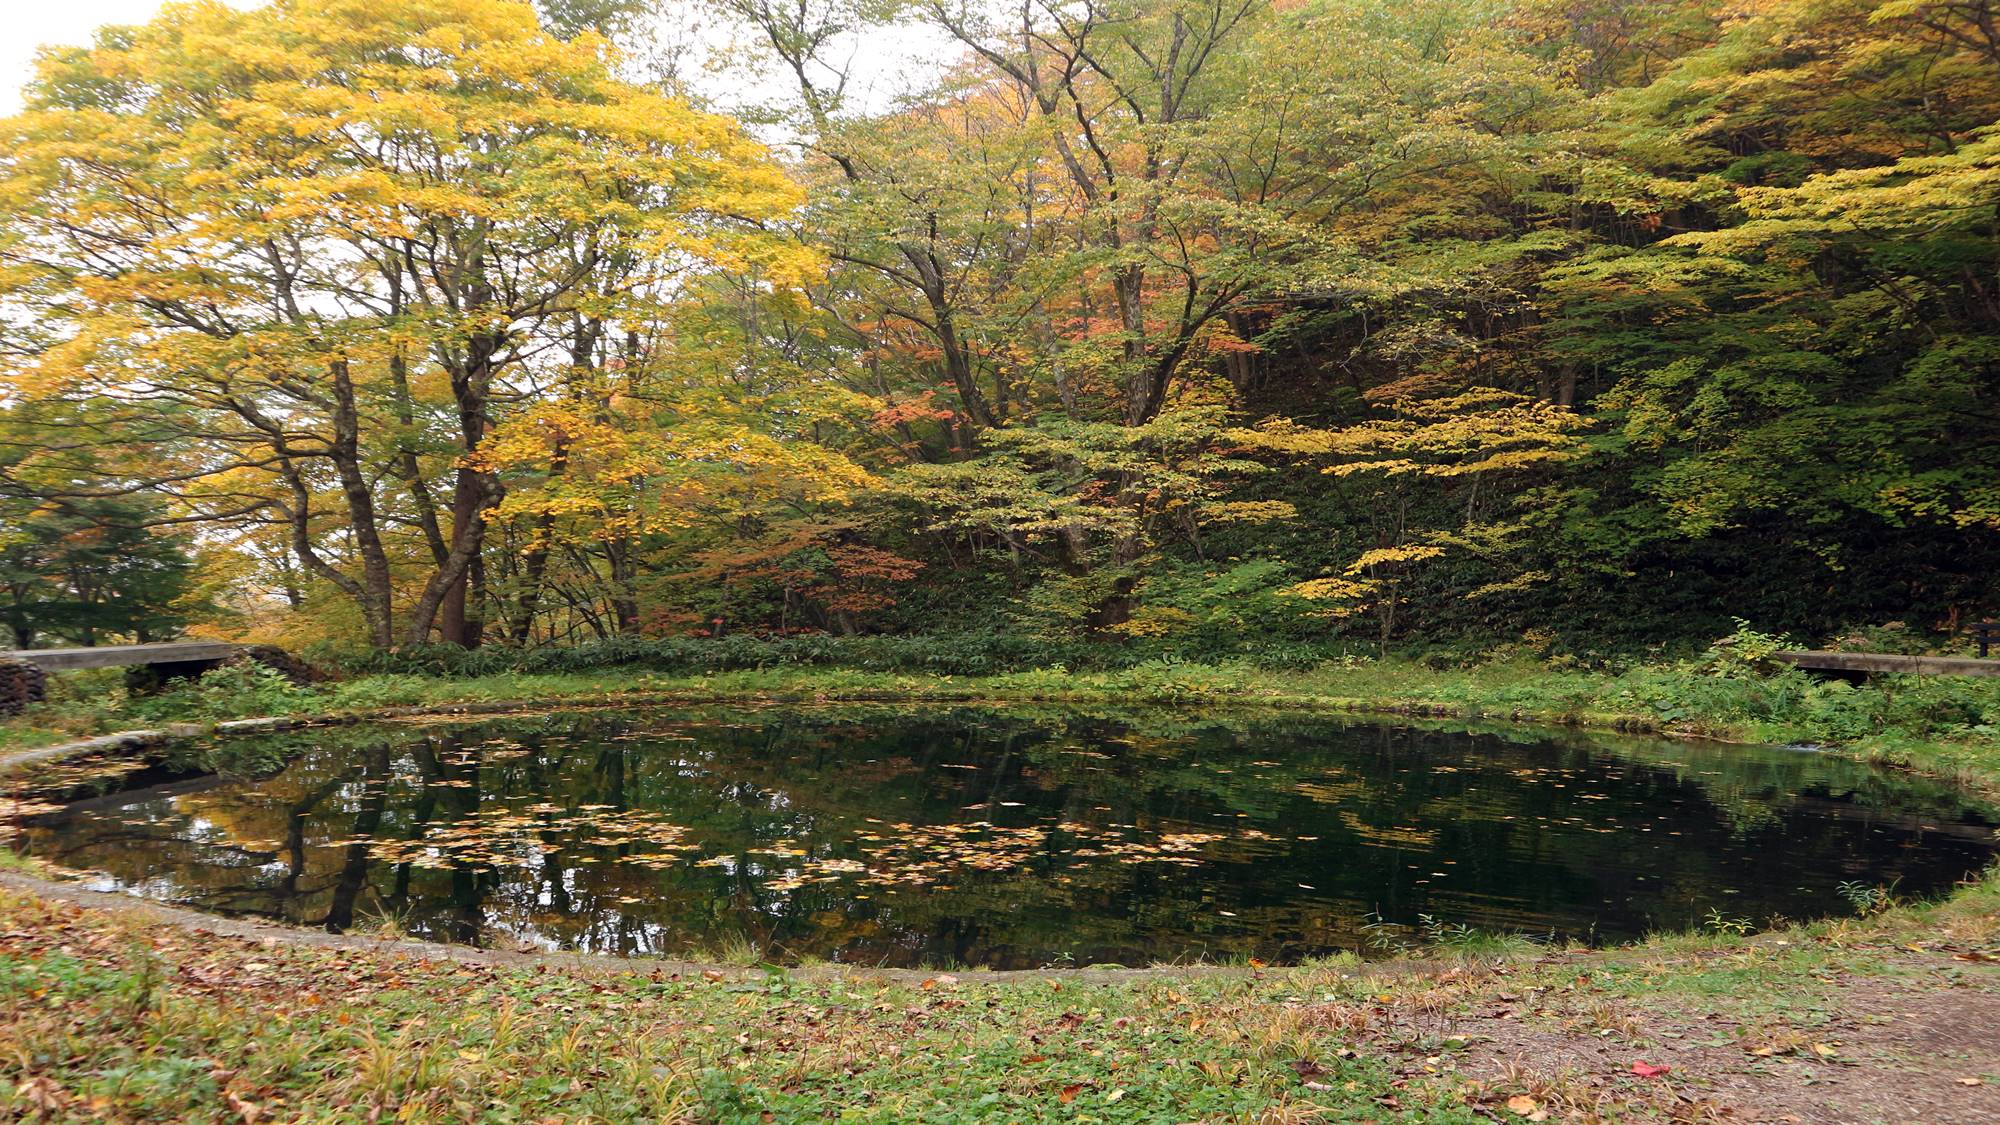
[(105, 1016), (1945, 726)]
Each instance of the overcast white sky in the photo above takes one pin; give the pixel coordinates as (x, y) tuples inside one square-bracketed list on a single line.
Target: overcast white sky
[(32, 23), (884, 62)]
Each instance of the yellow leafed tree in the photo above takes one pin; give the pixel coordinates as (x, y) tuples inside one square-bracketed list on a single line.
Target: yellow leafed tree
[(335, 243)]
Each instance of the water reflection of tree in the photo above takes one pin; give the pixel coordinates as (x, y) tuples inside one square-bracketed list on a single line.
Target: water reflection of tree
[(1386, 802), (449, 772), (354, 858)]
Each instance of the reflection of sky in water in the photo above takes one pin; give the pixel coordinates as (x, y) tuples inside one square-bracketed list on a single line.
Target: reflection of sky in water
[(1011, 838)]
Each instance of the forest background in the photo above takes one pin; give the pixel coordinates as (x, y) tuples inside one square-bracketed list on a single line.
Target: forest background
[(1207, 329)]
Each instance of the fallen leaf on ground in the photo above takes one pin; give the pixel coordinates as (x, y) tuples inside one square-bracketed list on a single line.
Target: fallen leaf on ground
[(42, 1093), (1648, 1070)]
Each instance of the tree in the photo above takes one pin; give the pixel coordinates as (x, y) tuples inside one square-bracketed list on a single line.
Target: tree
[(86, 571), (1465, 443), (333, 241)]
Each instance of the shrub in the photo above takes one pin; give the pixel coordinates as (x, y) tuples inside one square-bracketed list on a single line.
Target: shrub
[(233, 690), (961, 654)]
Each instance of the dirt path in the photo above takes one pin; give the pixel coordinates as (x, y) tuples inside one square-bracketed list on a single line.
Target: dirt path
[(1911, 1039)]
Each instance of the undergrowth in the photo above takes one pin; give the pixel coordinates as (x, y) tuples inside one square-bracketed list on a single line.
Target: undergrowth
[(1949, 724)]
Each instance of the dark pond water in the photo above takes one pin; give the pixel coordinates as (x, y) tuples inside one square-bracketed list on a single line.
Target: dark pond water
[(1005, 838)]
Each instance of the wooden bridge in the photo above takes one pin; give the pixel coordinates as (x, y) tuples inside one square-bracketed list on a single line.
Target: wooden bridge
[(1860, 665), (170, 658), (24, 671)]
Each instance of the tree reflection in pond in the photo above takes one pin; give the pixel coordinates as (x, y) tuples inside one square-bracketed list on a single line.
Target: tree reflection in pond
[(1006, 837)]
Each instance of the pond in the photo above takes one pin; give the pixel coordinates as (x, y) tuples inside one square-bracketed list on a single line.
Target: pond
[(1004, 838)]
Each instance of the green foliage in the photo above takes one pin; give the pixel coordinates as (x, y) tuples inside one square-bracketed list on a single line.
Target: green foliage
[(244, 688), (85, 571), (962, 654), (1867, 898), (1716, 922)]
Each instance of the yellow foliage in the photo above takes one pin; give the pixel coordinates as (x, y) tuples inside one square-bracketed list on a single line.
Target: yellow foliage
[(1331, 589), (1479, 431), (1154, 621), (1382, 556)]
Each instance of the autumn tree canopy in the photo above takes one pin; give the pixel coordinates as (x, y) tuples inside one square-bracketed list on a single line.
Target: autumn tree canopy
[(1177, 325), (319, 252)]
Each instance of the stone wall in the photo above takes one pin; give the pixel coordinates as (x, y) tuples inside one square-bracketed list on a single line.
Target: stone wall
[(21, 683)]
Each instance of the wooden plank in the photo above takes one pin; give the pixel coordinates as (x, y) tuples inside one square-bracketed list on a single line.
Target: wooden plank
[(1885, 663), (116, 656)]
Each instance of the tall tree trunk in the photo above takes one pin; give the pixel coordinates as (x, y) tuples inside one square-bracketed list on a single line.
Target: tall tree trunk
[(406, 460), (624, 594), (449, 578), (381, 633), (457, 624), (458, 616), (346, 456), (535, 564)]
